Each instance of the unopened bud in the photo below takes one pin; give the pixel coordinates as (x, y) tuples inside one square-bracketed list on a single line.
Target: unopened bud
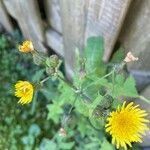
[(52, 61), (50, 71)]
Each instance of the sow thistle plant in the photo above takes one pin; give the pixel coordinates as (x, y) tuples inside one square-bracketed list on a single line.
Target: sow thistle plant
[(96, 93)]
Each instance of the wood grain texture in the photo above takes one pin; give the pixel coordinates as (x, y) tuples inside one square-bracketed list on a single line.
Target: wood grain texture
[(55, 41), (52, 9), (73, 14), (27, 14), (105, 18), (135, 35), (4, 18)]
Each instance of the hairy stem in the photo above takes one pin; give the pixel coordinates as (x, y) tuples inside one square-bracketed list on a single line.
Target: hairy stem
[(95, 82), (44, 80), (76, 90), (144, 99)]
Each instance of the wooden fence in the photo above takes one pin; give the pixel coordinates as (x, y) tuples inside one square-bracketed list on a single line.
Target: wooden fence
[(68, 23), (64, 25)]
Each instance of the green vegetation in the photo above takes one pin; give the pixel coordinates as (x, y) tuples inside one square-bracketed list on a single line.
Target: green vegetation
[(79, 109)]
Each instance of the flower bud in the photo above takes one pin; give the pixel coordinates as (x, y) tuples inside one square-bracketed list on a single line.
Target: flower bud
[(52, 61), (130, 57), (50, 70)]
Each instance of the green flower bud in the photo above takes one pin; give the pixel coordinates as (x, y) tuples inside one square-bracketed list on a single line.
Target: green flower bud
[(52, 61), (50, 71)]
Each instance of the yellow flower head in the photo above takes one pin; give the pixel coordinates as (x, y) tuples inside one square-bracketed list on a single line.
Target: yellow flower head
[(26, 47), (24, 90), (126, 125)]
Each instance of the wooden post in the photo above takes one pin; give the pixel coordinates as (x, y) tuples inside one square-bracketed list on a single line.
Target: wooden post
[(73, 14), (27, 14), (52, 9), (105, 18), (135, 35), (4, 18)]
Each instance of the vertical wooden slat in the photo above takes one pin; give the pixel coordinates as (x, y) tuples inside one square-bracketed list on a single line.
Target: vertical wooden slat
[(27, 14), (55, 41), (4, 18), (135, 35), (52, 9), (73, 14), (105, 17)]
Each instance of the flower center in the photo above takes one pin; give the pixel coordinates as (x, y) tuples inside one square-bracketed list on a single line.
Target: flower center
[(24, 89)]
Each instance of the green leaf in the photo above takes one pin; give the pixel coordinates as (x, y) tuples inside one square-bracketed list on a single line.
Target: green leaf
[(118, 56), (66, 146), (119, 79), (125, 88), (96, 102), (34, 130), (47, 144), (106, 145), (28, 140), (55, 111), (130, 87), (82, 107), (93, 54)]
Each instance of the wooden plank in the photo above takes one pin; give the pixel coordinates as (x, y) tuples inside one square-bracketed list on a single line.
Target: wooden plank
[(52, 9), (135, 35), (105, 18), (4, 18), (27, 14), (55, 41), (73, 13)]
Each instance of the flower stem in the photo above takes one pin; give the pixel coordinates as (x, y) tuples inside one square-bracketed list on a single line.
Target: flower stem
[(44, 80), (144, 99), (76, 90), (95, 82)]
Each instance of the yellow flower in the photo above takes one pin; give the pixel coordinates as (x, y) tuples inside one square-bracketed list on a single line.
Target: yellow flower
[(24, 90), (26, 47), (126, 125)]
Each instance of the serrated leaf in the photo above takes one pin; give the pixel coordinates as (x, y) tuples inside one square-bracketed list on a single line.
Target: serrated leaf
[(55, 111), (130, 87)]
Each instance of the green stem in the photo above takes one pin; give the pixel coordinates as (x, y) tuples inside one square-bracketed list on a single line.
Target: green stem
[(44, 80), (113, 81), (95, 82), (74, 88), (33, 108), (144, 99)]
